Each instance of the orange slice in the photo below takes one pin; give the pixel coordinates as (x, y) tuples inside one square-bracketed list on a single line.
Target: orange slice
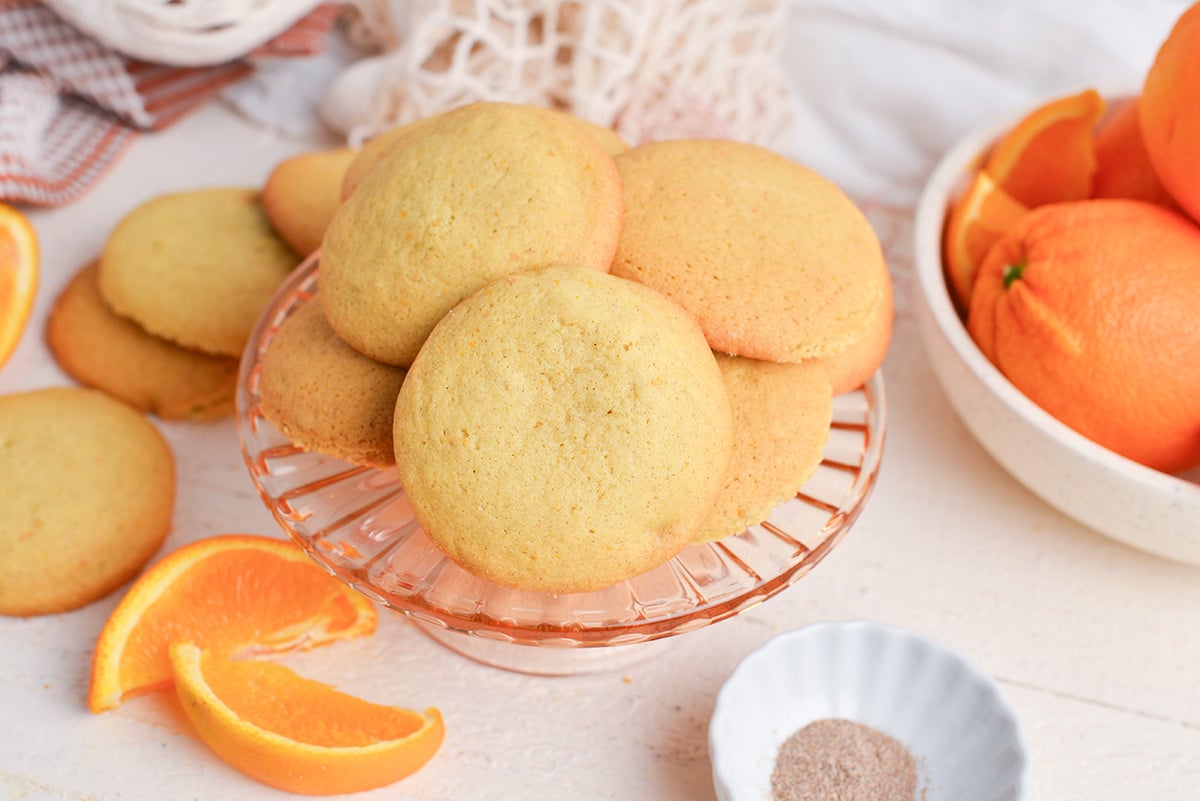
[(978, 218), (19, 269), (1049, 156), (297, 734), (236, 594)]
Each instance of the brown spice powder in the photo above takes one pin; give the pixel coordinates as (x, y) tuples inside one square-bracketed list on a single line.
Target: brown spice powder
[(840, 760)]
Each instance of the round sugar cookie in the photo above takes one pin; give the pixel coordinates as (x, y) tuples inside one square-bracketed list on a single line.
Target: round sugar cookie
[(302, 193), (89, 491), (563, 430), (377, 147), (781, 417), (373, 151), (196, 267), (483, 191), (774, 260), (110, 353), (324, 395), (851, 368)]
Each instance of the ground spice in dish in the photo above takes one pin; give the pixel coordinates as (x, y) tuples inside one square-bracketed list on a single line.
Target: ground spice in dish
[(840, 760)]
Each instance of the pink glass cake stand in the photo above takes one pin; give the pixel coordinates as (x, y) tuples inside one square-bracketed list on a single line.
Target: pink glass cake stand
[(356, 522)]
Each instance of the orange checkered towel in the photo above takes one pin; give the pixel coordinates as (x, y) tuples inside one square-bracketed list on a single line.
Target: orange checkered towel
[(69, 106)]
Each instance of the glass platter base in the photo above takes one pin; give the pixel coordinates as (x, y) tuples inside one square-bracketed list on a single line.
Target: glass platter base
[(356, 522), (543, 660)]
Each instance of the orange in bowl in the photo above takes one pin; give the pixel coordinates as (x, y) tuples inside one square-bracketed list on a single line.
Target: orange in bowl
[(1169, 112), (1123, 168), (1112, 494), (1048, 156), (1092, 309)]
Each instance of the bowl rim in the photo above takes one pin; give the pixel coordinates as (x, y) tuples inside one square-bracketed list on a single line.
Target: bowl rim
[(928, 225), (861, 628)]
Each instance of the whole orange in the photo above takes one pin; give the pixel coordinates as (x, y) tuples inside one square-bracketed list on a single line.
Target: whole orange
[(1169, 112), (1123, 168), (1092, 309)]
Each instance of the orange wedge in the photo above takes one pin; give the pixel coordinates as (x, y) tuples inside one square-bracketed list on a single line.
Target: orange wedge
[(297, 734), (236, 594), (1049, 155), (978, 218), (19, 269)]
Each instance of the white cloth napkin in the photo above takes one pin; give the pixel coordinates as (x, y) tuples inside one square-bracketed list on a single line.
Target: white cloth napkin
[(885, 87)]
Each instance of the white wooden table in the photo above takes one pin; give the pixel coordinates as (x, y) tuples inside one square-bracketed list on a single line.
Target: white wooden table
[(1095, 644)]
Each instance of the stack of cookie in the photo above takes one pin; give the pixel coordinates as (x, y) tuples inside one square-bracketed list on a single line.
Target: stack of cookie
[(155, 325), (580, 357), (161, 318)]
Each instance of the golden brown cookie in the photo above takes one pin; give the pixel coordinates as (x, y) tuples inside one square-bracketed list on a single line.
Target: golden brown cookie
[(781, 416), (851, 368), (483, 191), (773, 260), (375, 149), (196, 267), (89, 491), (563, 430), (101, 350), (324, 395), (302, 193)]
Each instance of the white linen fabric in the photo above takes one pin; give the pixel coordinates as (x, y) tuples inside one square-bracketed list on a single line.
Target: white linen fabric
[(885, 87)]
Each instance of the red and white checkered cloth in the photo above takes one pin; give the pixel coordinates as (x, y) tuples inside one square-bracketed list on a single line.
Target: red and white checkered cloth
[(69, 106)]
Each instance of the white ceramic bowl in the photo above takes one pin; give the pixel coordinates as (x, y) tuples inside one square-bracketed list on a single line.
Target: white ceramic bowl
[(1127, 501), (968, 744)]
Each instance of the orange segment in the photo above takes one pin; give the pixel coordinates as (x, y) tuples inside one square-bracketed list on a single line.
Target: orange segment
[(1048, 156), (297, 734), (978, 218), (19, 268), (235, 593)]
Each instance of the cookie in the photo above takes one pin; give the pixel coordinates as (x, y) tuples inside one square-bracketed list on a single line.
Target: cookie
[(563, 430), (781, 417), (851, 368), (371, 153), (101, 350), (774, 260), (302, 193), (481, 192), (375, 149), (89, 491), (196, 267), (325, 396)]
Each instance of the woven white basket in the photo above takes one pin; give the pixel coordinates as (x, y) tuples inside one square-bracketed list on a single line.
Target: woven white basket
[(187, 33)]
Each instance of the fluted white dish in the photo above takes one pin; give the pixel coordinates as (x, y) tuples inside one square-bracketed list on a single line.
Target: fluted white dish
[(966, 740), (1126, 501)]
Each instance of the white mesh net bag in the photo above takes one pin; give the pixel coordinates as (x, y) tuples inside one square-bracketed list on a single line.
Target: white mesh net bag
[(650, 70)]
